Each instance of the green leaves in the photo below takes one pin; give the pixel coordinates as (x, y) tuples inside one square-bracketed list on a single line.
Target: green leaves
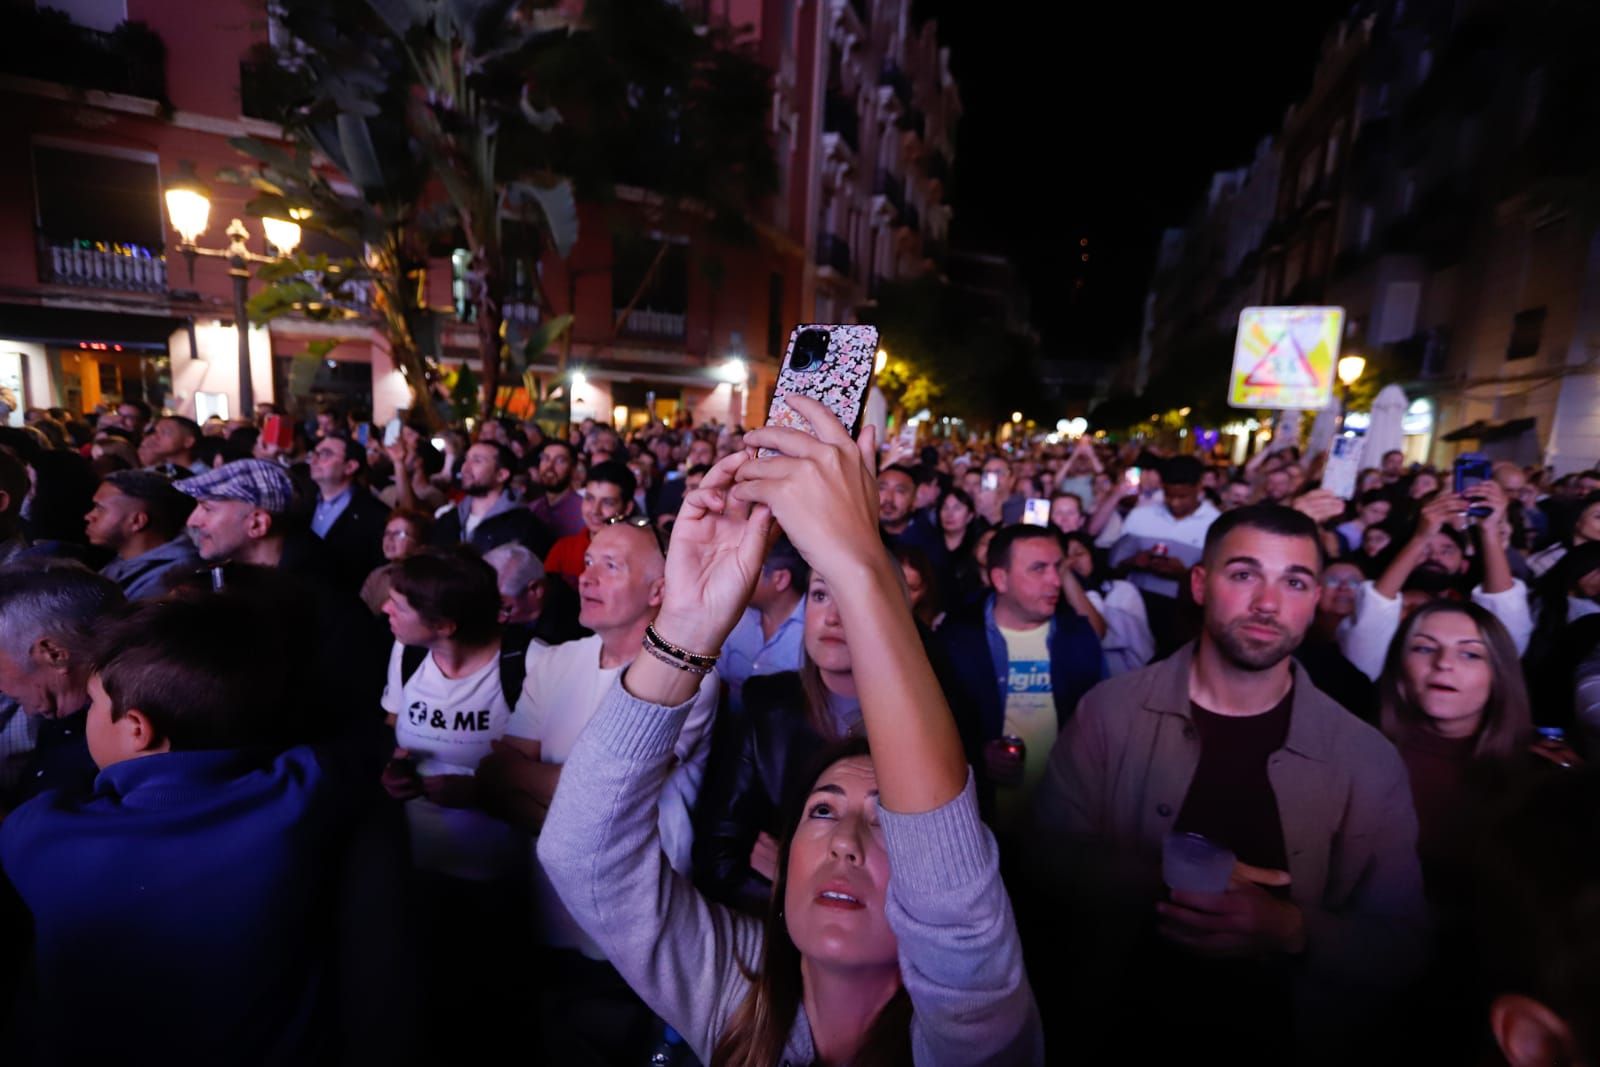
[(540, 342)]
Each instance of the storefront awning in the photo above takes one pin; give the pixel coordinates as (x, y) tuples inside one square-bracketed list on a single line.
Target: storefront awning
[(69, 327)]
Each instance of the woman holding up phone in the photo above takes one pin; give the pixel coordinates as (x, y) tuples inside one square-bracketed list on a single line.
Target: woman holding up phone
[(850, 966)]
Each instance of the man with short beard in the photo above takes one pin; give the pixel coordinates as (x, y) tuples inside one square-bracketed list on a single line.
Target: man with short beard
[(487, 515), (1322, 921)]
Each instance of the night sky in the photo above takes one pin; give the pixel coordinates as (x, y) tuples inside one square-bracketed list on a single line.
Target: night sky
[(1106, 122)]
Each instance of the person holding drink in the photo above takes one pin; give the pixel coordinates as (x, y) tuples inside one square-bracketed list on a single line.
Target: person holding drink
[(889, 938), (1235, 853)]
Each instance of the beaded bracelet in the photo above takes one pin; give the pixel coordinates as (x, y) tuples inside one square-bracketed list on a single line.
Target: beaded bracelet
[(675, 663), (659, 644)]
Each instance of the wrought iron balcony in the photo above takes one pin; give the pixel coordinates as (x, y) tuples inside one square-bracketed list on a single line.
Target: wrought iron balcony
[(93, 265)]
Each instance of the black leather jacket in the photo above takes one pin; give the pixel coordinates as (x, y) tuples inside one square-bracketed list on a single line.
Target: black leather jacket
[(757, 754)]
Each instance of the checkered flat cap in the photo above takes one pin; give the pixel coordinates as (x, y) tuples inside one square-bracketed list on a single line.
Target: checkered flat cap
[(254, 481)]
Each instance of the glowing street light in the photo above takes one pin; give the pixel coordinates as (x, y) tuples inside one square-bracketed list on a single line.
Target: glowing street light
[(879, 363), (1016, 416), (1351, 369)]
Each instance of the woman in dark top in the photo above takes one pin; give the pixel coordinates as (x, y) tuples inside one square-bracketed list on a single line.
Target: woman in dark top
[(959, 528), (785, 720)]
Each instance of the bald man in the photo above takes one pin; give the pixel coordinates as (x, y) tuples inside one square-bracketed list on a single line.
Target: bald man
[(620, 591)]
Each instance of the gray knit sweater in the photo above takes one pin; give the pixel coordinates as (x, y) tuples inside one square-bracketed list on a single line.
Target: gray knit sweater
[(960, 957)]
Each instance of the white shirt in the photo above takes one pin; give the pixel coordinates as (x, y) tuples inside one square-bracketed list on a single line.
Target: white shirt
[(1128, 643), (563, 690), (447, 724), (1377, 619), (1154, 524)]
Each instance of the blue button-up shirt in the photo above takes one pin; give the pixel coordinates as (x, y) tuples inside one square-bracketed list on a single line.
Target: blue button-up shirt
[(748, 650), (328, 512)]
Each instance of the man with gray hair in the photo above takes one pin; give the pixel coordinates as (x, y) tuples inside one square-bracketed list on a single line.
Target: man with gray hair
[(48, 613)]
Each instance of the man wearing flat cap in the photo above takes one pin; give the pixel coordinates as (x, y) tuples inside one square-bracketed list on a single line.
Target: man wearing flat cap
[(241, 515)]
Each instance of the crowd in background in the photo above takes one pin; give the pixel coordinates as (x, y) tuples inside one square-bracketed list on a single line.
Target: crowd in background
[(289, 707)]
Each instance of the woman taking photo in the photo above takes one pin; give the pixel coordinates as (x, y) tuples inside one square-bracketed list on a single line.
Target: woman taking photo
[(886, 860)]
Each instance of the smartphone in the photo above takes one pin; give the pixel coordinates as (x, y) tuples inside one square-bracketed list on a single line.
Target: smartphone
[(829, 364), (363, 433), (278, 430), (991, 481), (1471, 469), (1036, 512), (391, 433), (1343, 466), (1131, 477)]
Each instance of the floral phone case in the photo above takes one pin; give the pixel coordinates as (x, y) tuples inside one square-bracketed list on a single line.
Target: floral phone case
[(840, 382)]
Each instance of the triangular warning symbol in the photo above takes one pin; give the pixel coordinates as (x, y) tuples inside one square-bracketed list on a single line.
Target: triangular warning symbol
[(1284, 365)]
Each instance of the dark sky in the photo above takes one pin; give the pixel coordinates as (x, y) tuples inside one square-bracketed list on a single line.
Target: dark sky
[(1106, 122)]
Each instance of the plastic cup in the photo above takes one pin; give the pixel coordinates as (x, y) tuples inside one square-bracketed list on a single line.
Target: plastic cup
[(1191, 863)]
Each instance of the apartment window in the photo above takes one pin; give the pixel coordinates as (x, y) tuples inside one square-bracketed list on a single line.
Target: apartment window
[(1527, 333), (656, 269), (97, 197)]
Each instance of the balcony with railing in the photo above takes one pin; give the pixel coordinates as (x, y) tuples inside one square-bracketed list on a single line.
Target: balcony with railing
[(44, 43), (833, 253), (648, 324), (839, 116), (99, 265)]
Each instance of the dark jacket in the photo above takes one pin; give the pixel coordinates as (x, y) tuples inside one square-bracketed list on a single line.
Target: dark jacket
[(515, 523), (355, 540), (979, 667), (758, 751)]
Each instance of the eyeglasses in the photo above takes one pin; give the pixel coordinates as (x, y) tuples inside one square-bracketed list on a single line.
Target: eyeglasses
[(1342, 583), (639, 522)]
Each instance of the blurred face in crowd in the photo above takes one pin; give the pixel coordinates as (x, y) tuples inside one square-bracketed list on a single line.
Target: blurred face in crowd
[(1066, 514), (1080, 559), (837, 873), (602, 501), (327, 422), (1030, 585), (1278, 487), (1235, 495), (1259, 592), (954, 516), (661, 448), (329, 468), (1424, 485), (971, 481), (480, 471), (170, 441), (1182, 500), (1374, 513), (1341, 582), (221, 529), (700, 453), (1588, 525), (1375, 539), (824, 632), (408, 627), (622, 577), (1102, 485), (1002, 472), (691, 482), (1444, 555), (896, 491), (399, 540), (114, 518), (555, 470), (1447, 672), (130, 418), (1371, 478), (980, 552), (927, 495), (521, 606), (1393, 463)]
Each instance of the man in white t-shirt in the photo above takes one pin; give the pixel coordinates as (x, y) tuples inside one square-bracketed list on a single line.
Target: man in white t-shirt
[(619, 591), (1161, 541)]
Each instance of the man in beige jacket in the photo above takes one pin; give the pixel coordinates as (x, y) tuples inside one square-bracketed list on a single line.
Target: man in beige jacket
[(1323, 918)]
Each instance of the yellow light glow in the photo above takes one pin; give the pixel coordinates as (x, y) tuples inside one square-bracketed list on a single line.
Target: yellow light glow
[(282, 234), (1351, 368), (189, 209)]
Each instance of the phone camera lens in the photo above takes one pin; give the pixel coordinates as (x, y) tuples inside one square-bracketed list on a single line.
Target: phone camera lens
[(810, 349)]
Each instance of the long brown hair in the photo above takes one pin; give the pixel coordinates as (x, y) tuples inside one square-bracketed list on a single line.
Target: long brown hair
[(758, 1030), (1507, 718)]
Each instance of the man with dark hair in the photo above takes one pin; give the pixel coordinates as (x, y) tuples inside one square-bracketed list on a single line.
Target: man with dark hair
[(557, 504), (197, 873), (1393, 466), (898, 520), (132, 416), (608, 494), (170, 445), (488, 516), (770, 636), (140, 516), (1322, 920), (1020, 668), (13, 491), (348, 518), (1162, 539)]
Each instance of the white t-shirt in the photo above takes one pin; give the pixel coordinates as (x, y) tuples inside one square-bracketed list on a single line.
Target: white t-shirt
[(563, 690), (1030, 713), (447, 725)]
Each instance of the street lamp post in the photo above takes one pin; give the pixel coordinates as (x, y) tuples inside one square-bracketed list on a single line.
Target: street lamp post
[(1349, 370), (189, 208)]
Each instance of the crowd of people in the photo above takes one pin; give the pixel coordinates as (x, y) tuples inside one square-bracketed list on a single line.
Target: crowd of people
[(345, 746)]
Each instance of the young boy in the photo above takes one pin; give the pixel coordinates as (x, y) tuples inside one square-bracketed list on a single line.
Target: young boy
[(182, 909)]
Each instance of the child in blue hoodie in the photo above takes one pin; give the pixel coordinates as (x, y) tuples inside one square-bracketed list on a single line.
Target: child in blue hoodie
[(182, 910)]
